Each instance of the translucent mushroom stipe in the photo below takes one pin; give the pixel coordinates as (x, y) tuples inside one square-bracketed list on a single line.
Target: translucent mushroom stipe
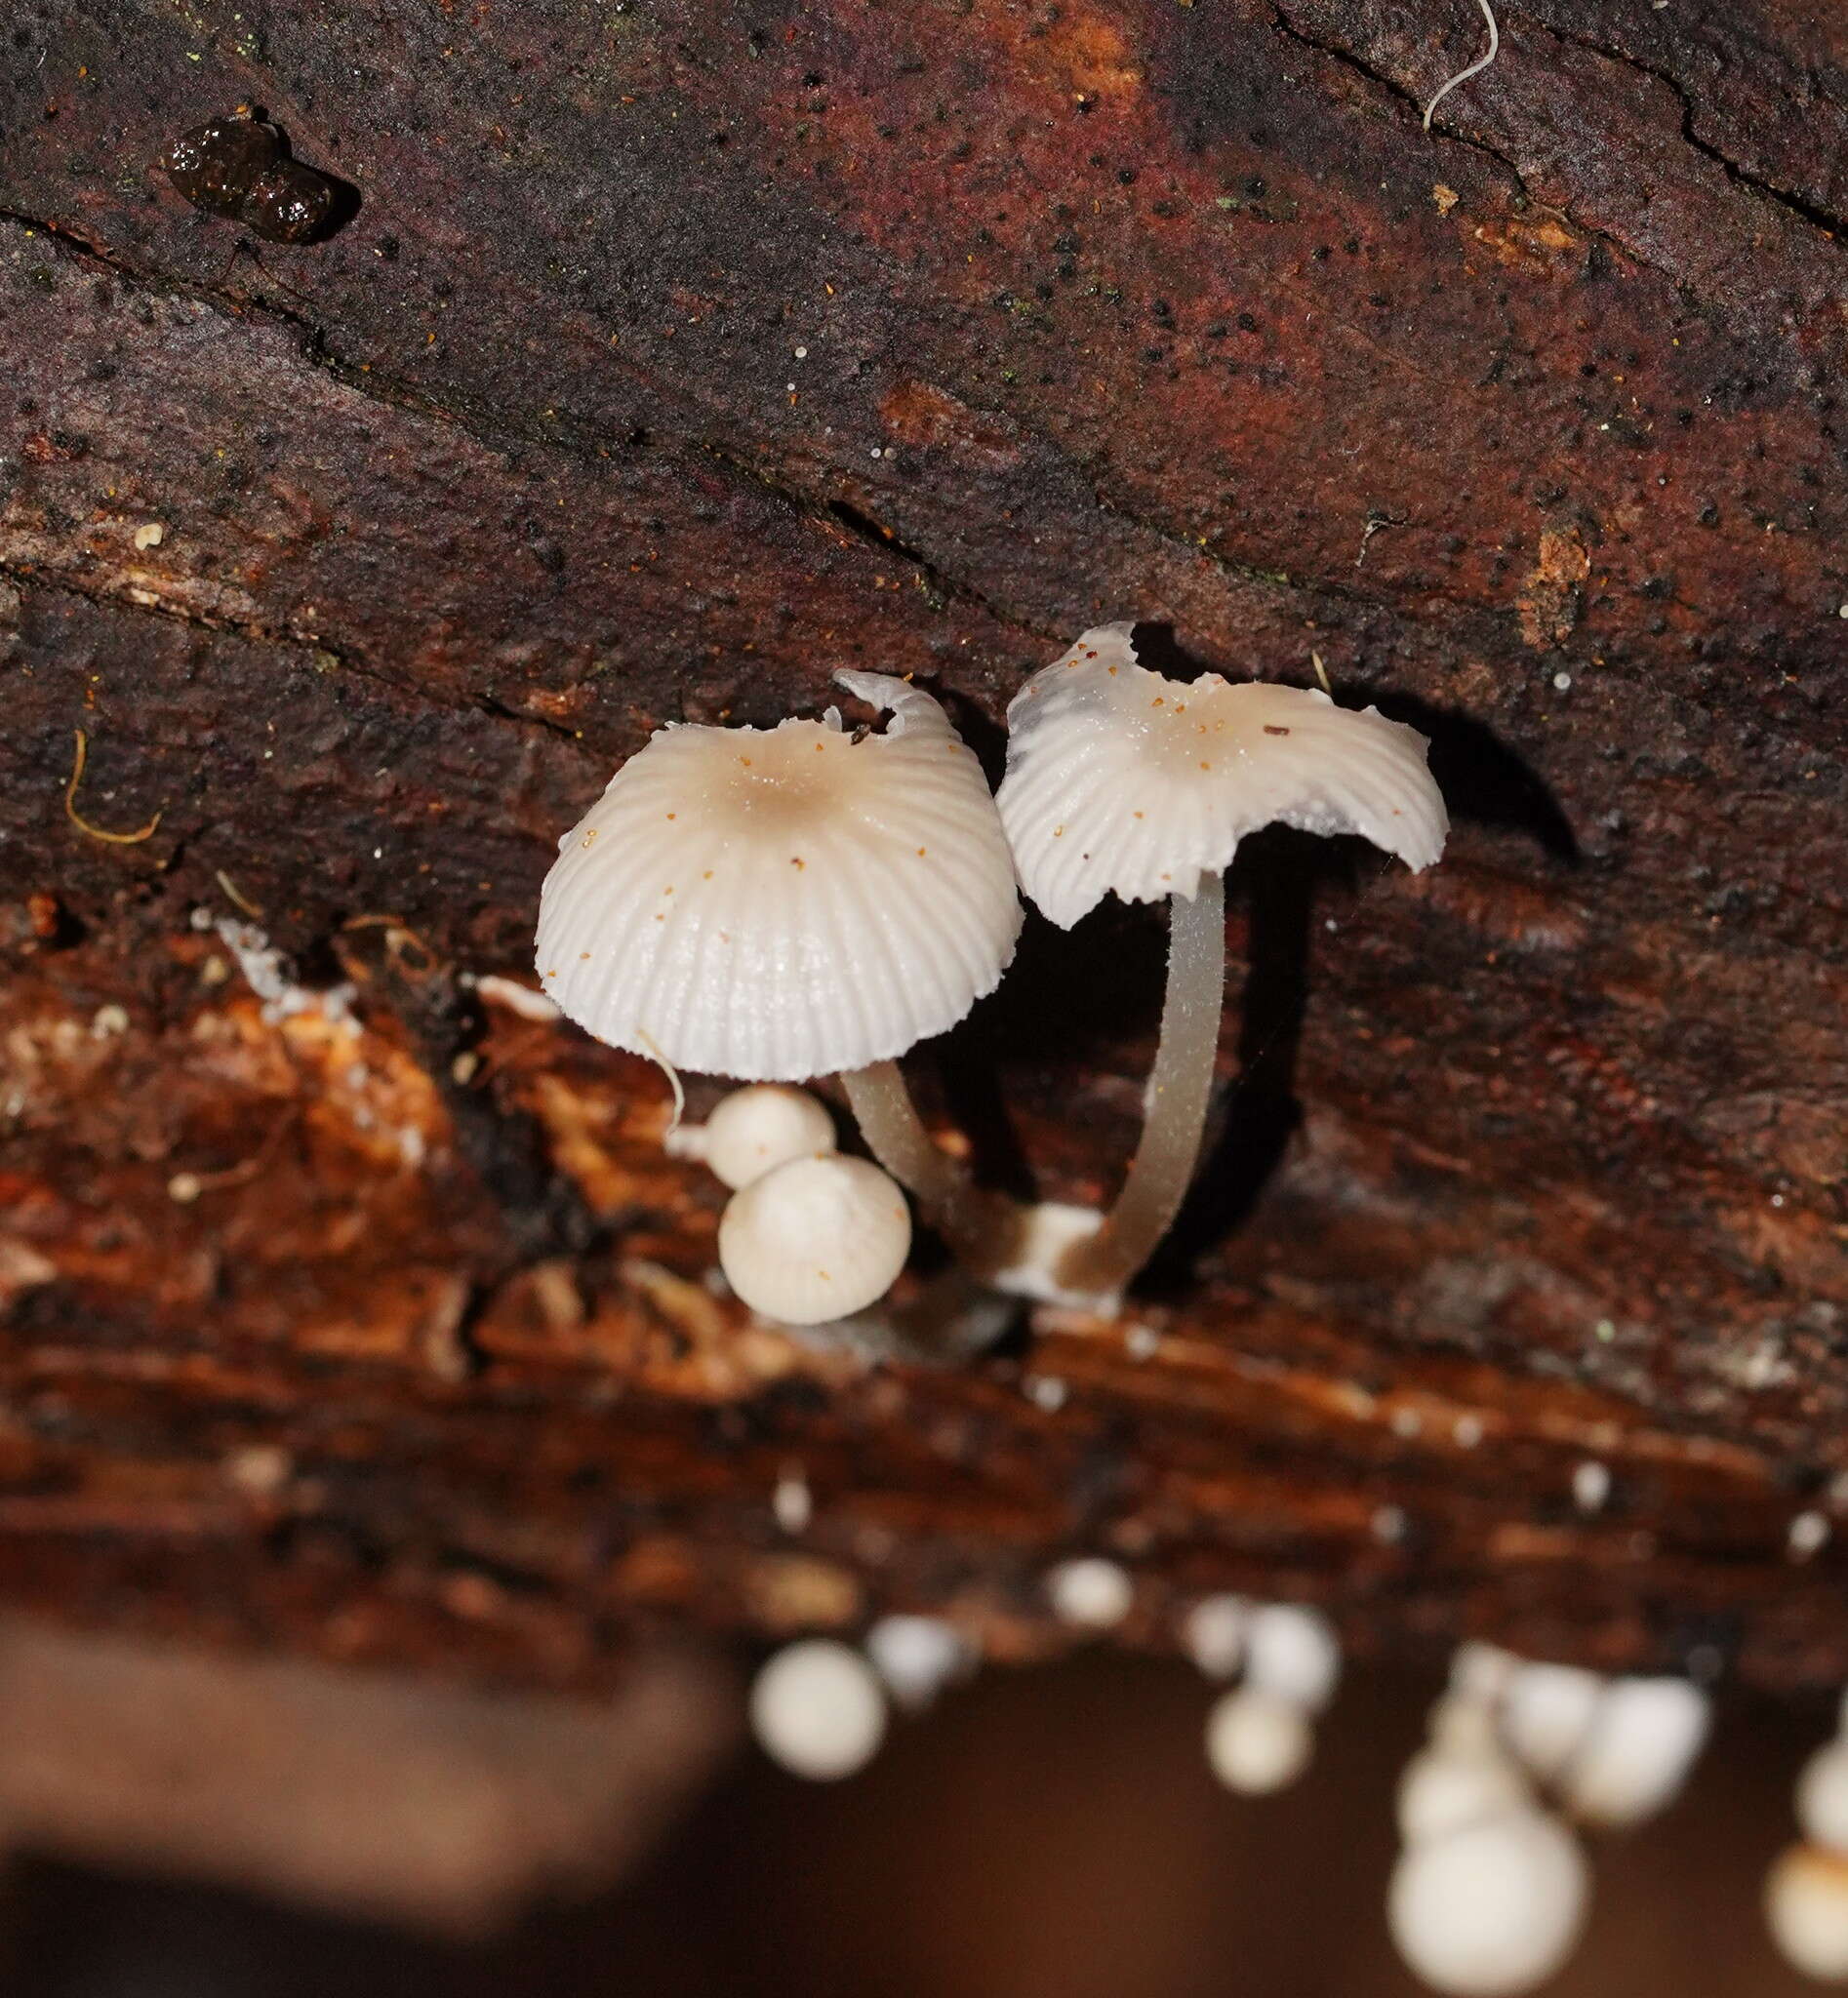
[(781, 903)]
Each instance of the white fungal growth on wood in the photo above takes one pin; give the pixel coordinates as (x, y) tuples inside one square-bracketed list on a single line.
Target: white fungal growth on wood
[(264, 972)]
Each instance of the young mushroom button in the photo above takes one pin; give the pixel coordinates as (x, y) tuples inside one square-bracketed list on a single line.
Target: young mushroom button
[(781, 903), (815, 1239), (1122, 783)]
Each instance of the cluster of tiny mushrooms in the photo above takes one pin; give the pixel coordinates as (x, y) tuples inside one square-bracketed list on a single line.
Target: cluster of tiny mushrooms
[(1491, 1887), (781, 904)]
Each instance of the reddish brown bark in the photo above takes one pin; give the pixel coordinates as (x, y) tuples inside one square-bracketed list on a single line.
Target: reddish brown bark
[(674, 358)]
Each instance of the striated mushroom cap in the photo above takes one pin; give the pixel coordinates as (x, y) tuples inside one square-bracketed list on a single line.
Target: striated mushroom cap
[(778, 904), (1122, 783)]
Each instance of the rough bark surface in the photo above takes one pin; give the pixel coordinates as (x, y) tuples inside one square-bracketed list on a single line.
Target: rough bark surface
[(681, 352)]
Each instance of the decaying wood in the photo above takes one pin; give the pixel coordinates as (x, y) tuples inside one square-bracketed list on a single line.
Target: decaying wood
[(361, 1793), (680, 353)]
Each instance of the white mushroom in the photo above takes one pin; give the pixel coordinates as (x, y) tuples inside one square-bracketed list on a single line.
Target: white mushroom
[(918, 1656), (816, 1708), (780, 903), (1806, 1907), (1445, 1788), (1822, 1796), (1292, 1650), (1490, 1908), (1256, 1742), (1547, 1712), (1482, 1671), (754, 1128), (1121, 781), (815, 1239), (1213, 1635), (1090, 1592), (1644, 1737)]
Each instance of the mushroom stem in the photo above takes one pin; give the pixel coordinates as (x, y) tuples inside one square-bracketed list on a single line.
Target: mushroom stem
[(1179, 1091), (976, 1225)]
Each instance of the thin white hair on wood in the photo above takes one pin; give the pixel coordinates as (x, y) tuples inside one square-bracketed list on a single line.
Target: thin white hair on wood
[(1482, 63)]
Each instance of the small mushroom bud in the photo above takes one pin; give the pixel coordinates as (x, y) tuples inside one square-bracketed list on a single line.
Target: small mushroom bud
[(1491, 1908), (817, 1708), (1445, 1788), (1291, 1651), (754, 1130), (1806, 1905), (815, 1239), (1256, 1742), (1548, 1713), (1643, 1742), (1821, 1797)]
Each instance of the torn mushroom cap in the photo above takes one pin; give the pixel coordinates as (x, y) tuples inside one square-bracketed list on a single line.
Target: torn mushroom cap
[(1121, 781), (778, 903)]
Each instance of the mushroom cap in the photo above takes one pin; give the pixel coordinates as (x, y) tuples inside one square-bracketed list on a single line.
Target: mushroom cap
[(1121, 781), (815, 1239), (778, 903), (1548, 1713), (1090, 1592), (816, 1707), (754, 1130), (1490, 1908), (1806, 1905), (1821, 1797), (1643, 1740), (1292, 1650), (1256, 1742), (1213, 1634), (1444, 1789)]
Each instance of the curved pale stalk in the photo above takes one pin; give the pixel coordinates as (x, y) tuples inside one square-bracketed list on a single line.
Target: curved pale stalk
[(975, 1223), (1179, 1091)]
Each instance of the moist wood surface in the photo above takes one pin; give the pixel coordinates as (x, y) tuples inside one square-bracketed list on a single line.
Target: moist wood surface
[(678, 354)]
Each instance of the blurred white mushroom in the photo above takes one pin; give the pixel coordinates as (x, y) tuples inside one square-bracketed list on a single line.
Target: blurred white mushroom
[(918, 1656), (1482, 1671), (1822, 1796), (1292, 1652), (1547, 1712), (780, 903), (1258, 1742), (1490, 1908), (1644, 1737), (816, 1707), (1212, 1634), (1122, 783), (1806, 1907), (1465, 1724), (1089, 1592), (815, 1239), (753, 1129), (1443, 1789)]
